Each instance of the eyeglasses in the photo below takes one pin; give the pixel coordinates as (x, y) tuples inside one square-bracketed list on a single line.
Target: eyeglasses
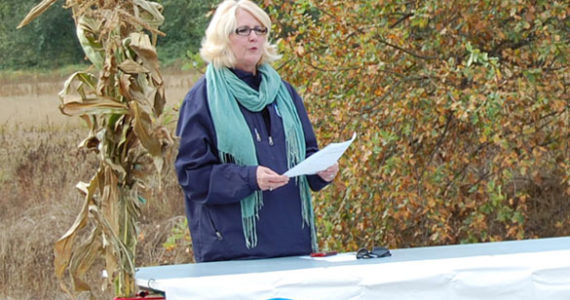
[(246, 31), (364, 253)]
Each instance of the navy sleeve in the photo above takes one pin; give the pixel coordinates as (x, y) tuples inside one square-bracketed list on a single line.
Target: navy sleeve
[(200, 172), (315, 181)]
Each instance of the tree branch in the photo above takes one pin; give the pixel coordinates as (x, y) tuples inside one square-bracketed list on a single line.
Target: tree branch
[(381, 40)]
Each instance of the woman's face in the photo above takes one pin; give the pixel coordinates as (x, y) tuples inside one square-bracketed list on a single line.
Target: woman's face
[(247, 49)]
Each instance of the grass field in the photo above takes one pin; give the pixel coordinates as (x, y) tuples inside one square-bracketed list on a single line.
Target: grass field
[(40, 165)]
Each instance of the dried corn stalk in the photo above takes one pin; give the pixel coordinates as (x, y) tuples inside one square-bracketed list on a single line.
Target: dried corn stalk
[(120, 104)]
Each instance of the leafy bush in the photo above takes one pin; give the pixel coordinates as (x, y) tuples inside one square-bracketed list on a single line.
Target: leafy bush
[(462, 111)]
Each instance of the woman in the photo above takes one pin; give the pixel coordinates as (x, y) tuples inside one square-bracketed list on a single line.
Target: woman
[(240, 127)]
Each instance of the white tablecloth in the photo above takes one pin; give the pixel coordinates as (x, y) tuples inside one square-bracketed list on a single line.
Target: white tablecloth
[(528, 269)]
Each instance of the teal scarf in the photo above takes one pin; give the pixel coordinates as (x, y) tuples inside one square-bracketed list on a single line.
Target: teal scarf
[(234, 136)]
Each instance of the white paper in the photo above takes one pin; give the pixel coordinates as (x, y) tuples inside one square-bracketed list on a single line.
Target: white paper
[(321, 160)]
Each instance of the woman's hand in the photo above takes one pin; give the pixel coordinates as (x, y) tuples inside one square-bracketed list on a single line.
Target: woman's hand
[(268, 180), (329, 173)]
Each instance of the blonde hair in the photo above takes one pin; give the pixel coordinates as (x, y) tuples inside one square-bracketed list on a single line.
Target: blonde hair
[(215, 45)]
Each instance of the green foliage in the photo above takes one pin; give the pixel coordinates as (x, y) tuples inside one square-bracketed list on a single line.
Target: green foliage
[(461, 109), (179, 236), (49, 42), (185, 22)]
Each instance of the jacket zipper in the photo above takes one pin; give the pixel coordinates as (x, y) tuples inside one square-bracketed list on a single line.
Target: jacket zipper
[(218, 234)]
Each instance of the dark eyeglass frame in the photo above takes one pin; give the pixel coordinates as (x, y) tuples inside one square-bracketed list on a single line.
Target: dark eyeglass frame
[(246, 30), (376, 252)]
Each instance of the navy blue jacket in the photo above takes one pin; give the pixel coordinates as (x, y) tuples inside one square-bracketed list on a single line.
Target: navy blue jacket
[(213, 190)]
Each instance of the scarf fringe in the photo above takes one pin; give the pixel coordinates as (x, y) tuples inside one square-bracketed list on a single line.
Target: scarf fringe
[(293, 158), (250, 207), (249, 223), (307, 211)]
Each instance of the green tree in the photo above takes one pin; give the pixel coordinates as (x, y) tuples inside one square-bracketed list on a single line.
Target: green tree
[(185, 22), (462, 111), (51, 41), (46, 43)]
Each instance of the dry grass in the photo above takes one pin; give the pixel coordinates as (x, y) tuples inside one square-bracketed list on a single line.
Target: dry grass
[(40, 167)]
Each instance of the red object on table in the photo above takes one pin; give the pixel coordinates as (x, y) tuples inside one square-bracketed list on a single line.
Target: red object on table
[(323, 254), (140, 298)]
